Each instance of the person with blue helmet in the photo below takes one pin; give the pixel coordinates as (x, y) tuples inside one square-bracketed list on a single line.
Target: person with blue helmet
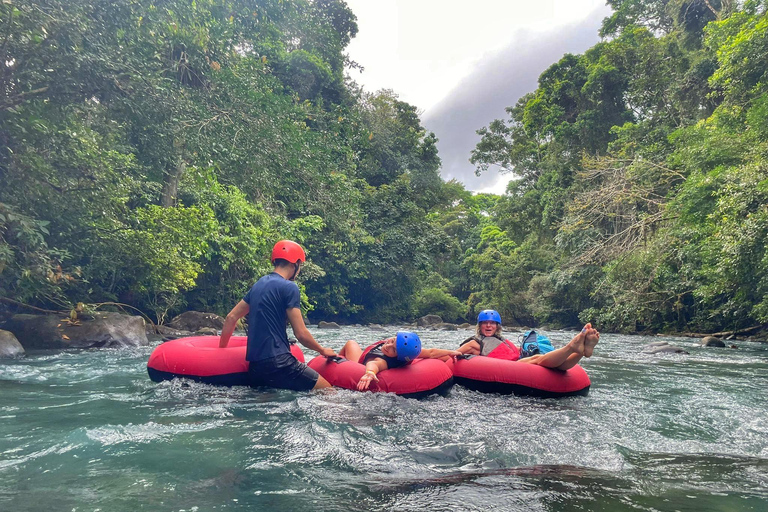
[(393, 352), (489, 314), (489, 342)]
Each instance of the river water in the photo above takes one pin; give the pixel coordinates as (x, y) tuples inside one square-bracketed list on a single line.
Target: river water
[(88, 431)]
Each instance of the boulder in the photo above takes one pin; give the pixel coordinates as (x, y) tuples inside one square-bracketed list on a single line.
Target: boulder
[(429, 320), (445, 326), (97, 330), (328, 325), (465, 325), (167, 334), (195, 320), (376, 327), (206, 331), (9, 346), (711, 341), (663, 349)]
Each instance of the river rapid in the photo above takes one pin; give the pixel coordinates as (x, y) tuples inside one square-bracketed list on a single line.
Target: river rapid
[(88, 431)]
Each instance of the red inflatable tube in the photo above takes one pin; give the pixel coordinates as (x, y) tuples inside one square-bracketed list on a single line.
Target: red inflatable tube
[(199, 358), (420, 378), (491, 375)]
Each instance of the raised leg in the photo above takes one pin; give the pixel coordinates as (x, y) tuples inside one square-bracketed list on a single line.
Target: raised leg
[(593, 337), (351, 351), (565, 357)]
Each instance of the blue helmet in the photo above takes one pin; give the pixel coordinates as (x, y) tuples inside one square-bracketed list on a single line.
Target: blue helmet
[(489, 314), (408, 346)]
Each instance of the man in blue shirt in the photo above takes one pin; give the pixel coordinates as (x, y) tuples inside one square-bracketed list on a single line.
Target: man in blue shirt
[(269, 303)]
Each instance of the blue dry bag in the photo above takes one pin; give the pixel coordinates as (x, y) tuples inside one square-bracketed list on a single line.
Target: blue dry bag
[(534, 343)]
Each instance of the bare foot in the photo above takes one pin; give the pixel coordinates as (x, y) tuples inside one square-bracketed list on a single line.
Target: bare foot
[(576, 344), (590, 340)]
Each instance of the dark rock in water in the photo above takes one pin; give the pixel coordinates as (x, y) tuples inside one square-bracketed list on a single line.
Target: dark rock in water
[(206, 331), (711, 341), (665, 348), (10, 346), (465, 325), (376, 327), (445, 326), (171, 334), (429, 320), (328, 325), (195, 320), (97, 330)]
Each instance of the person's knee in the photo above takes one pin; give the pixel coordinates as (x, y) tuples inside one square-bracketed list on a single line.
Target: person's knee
[(321, 383), (351, 350)]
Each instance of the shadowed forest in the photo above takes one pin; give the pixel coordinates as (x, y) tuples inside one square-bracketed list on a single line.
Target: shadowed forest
[(153, 151)]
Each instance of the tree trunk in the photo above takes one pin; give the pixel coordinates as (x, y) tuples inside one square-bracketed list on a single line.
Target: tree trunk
[(171, 181)]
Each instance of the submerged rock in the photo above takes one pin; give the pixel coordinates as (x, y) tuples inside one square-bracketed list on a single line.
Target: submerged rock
[(711, 341), (193, 321), (428, 320), (97, 330), (10, 346), (663, 348), (328, 325), (169, 334)]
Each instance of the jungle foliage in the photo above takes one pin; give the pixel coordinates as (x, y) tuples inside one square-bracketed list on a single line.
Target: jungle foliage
[(151, 152), (643, 167)]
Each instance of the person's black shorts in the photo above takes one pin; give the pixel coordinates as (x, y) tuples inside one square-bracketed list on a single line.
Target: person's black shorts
[(283, 371)]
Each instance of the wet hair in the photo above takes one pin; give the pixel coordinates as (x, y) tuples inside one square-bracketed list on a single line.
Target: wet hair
[(496, 333)]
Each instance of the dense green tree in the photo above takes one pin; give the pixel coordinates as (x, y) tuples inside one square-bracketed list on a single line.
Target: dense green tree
[(151, 152), (627, 158)]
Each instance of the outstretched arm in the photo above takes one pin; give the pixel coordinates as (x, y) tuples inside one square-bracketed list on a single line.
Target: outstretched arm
[(303, 335), (471, 348), (238, 312), (372, 367), (437, 353)]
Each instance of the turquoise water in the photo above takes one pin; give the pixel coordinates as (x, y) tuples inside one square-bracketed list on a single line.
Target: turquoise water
[(88, 430)]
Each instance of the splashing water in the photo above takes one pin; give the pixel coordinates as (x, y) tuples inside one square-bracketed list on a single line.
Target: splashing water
[(89, 431)]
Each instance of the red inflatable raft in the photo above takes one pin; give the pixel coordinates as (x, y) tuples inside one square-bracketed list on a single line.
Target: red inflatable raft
[(420, 378), (492, 375), (199, 358)]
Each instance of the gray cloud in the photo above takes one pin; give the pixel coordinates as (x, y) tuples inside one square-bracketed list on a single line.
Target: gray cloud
[(496, 83)]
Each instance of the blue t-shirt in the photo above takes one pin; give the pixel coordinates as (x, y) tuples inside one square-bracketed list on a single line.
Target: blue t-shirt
[(268, 301)]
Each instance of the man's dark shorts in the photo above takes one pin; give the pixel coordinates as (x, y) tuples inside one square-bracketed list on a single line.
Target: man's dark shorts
[(283, 371)]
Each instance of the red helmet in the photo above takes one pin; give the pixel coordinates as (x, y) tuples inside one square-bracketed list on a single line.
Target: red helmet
[(289, 251)]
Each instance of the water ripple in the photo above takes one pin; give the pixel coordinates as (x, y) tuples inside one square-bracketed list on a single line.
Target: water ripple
[(87, 429)]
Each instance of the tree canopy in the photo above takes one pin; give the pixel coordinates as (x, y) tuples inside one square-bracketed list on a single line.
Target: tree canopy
[(151, 152)]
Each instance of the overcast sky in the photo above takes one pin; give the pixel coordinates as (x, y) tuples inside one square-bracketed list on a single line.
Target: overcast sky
[(462, 62)]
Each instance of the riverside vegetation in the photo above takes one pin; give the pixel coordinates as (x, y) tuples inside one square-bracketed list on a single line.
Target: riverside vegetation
[(151, 152)]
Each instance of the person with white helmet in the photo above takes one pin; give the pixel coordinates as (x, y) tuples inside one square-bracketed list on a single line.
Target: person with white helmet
[(390, 353), (488, 341), (272, 301)]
